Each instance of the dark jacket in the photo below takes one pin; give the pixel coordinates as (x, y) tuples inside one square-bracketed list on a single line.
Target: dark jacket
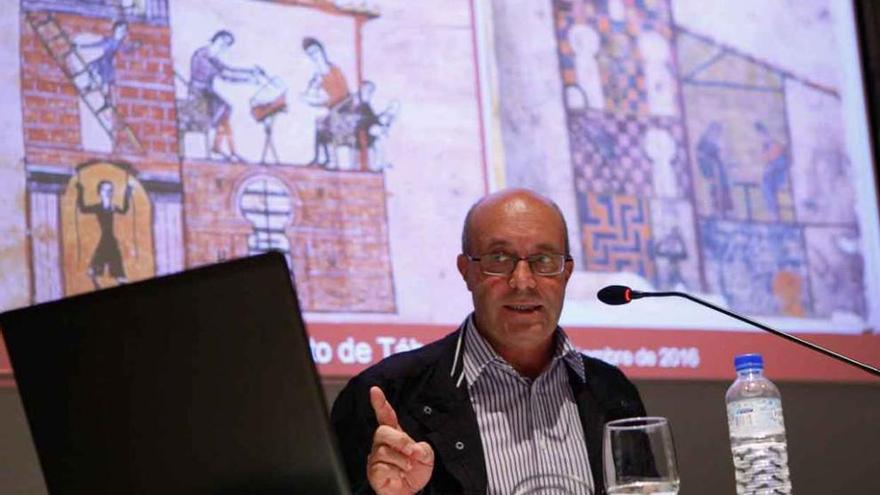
[(429, 407)]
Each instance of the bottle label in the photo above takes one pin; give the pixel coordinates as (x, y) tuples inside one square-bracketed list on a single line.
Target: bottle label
[(755, 417)]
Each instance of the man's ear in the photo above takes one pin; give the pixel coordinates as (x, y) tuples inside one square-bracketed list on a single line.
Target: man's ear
[(569, 268), (463, 268)]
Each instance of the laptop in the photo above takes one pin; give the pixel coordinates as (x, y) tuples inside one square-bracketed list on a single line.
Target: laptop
[(200, 382)]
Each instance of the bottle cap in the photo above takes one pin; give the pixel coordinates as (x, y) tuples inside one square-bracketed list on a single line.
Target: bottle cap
[(748, 362)]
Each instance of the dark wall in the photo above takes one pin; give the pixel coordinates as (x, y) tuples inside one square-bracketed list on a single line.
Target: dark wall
[(19, 468), (833, 436)]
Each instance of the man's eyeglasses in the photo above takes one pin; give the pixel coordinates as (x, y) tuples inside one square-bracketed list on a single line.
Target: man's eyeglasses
[(503, 264)]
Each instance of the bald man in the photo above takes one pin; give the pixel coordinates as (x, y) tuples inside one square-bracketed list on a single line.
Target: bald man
[(505, 400)]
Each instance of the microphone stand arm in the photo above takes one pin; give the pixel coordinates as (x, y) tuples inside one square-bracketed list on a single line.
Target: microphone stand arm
[(791, 338)]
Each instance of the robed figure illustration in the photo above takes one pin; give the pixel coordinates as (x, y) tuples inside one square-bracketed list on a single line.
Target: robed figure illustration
[(108, 231), (107, 258)]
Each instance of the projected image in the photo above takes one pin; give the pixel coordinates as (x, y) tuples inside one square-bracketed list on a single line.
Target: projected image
[(712, 147), (702, 166), (160, 146)]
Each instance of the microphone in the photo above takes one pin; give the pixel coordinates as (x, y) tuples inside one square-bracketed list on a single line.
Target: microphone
[(616, 295), (619, 294)]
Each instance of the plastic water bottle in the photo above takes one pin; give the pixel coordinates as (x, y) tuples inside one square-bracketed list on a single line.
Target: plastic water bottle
[(757, 430)]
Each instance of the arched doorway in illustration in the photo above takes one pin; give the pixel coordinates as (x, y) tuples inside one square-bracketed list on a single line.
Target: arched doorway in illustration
[(266, 203)]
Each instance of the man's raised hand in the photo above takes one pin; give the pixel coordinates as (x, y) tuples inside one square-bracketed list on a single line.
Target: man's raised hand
[(397, 464)]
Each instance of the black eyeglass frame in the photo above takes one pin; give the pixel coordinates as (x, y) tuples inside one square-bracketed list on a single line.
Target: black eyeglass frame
[(516, 259)]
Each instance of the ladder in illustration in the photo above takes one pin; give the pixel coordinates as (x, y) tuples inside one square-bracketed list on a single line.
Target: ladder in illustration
[(65, 53)]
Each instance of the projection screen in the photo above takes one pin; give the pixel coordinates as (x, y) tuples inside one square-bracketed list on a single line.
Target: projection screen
[(713, 147)]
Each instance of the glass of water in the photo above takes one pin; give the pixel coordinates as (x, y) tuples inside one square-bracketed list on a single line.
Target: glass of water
[(639, 457)]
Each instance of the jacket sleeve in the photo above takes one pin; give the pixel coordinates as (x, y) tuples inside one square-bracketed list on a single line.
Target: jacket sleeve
[(354, 423)]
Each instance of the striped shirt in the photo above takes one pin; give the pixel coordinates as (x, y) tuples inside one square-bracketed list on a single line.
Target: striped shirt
[(530, 429)]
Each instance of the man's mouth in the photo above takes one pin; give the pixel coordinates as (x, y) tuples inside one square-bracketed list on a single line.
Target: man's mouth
[(523, 308)]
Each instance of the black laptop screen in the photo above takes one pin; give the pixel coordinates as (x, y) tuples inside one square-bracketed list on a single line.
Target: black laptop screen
[(200, 382)]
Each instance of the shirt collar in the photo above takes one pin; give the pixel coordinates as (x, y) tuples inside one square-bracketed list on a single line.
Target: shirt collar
[(478, 353)]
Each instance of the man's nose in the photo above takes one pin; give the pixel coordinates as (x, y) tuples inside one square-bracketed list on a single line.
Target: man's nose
[(522, 277)]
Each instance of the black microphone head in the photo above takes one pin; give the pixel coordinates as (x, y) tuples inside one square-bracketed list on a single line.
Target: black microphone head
[(615, 295)]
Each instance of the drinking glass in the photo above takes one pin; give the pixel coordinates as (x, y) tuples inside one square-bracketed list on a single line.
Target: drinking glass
[(639, 457)]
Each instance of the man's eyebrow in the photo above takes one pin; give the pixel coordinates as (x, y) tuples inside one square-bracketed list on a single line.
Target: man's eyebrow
[(548, 247), (498, 243), (540, 248)]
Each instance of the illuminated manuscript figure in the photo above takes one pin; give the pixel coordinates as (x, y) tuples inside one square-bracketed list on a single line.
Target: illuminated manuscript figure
[(673, 249), (369, 122), (107, 256), (102, 68), (713, 168), (372, 127), (775, 159), (328, 89), (205, 67)]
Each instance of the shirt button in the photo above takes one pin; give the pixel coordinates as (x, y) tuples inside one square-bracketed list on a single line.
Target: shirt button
[(427, 410), (459, 445)]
